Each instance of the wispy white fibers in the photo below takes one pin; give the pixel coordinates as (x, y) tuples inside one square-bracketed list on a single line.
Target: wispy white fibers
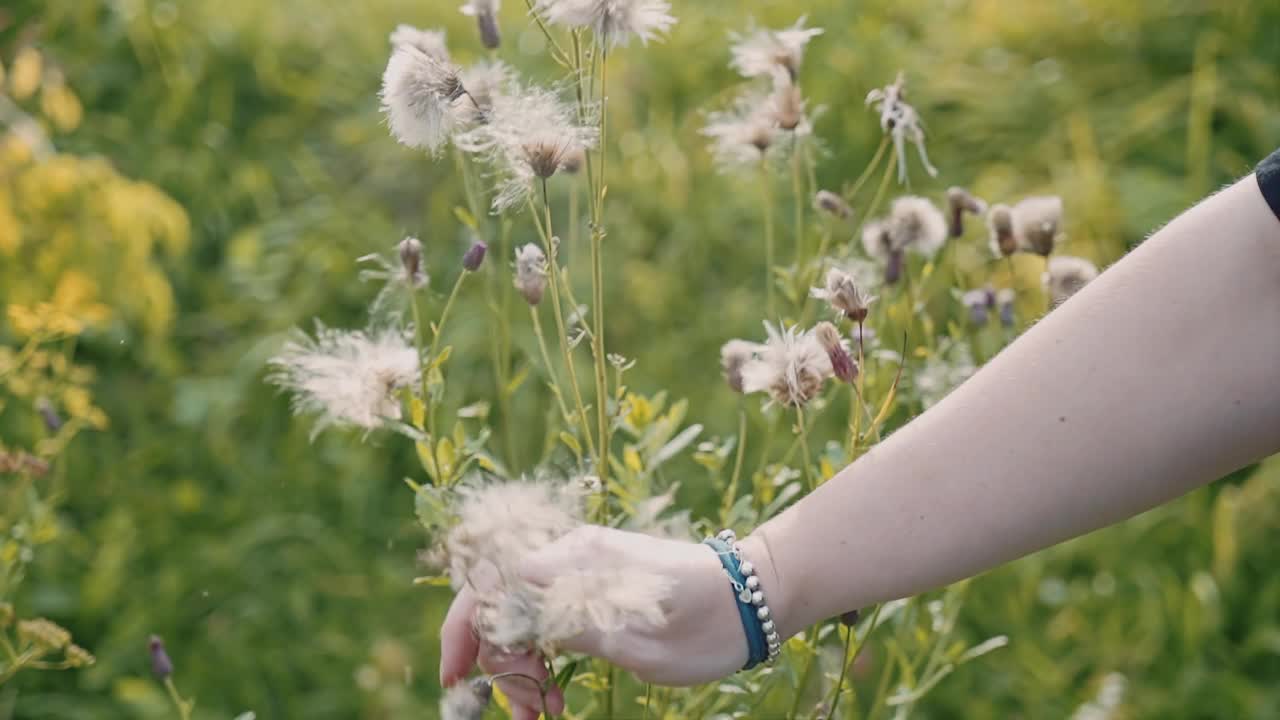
[(614, 22), (418, 94), (791, 367), (762, 51)]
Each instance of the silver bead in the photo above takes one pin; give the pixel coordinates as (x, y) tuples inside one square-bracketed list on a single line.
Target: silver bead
[(757, 598), (762, 613), (747, 568), (775, 649), (726, 535), (767, 626), (753, 583), (773, 639)]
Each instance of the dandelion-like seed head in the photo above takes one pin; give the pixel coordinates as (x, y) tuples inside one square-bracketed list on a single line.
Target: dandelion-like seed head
[(915, 224), (418, 93), (347, 378), (484, 81), (744, 134), (531, 273), (486, 14), (429, 42), (832, 204), (786, 106), (844, 296), (733, 356), (400, 273), (902, 122), (1038, 223), (843, 366), (791, 367), (466, 701), (1004, 242), (762, 51), (959, 202), (614, 22), (878, 242), (1065, 276)]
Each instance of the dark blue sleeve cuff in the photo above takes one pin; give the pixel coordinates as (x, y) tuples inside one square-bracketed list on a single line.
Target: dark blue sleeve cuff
[(1268, 174)]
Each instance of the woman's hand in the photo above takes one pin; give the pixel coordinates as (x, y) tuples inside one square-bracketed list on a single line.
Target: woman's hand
[(701, 640)]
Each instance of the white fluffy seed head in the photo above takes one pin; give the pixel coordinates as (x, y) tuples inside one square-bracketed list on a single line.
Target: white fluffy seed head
[(915, 224), (733, 356), (1037, 223), (744, 134), (430, 42), (614, 22), (466, 701), (347, 378), (762, 51), (1065, 276), (418, 94), (791, 367), (531, 273), (844, 295)]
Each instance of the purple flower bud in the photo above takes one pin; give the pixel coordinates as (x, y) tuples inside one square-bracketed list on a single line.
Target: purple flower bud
[(161, 665), (490, 37), (1006, 315), (475, 256), (843, 366), (850, 618), (52, 422), (893, 269)]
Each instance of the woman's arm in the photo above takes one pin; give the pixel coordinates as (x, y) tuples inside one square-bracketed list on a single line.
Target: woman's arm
[(1161, 375)]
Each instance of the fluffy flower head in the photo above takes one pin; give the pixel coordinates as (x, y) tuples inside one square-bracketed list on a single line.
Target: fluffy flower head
[(1065, 276), (348, 378), (614, 22), (763, 52), (915, 224), (902, 122), (1038, 223), (791, 367), (844, 295), (742, 135), (531, 273), (733, 355), (418, 94), (430, 42)]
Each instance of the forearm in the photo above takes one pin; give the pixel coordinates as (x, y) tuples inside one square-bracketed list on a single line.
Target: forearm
[(1160, 376)]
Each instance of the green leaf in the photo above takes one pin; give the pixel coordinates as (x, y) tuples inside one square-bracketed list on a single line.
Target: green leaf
[(572, 442), (464, 217), (565, 676), (517, 380)]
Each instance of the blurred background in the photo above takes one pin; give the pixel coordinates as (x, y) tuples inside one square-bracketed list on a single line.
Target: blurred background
[(191, 179)]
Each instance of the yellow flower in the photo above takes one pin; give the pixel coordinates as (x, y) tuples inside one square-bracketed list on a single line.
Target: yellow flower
[(28, 66)]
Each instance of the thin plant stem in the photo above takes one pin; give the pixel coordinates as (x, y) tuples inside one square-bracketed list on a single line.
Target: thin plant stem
[(844, 668), (866, 172), (882, 688), (542, 688), (183, 706), (812, 646), (546, 360), (420, 340), (875, 199), (648, 693), (797, 189), (557, 52), (768, 236), (804, 443), (566, 351), (597, 287), (431, 355), (731, 494)]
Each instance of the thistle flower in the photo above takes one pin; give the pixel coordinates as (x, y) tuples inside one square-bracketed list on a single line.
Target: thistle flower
[(979, 302), (1065, 276), (484, 81), (418, 92), (832, 204), (161, 665), (959, 202), (945, 370), (430, 42), (915, 224), (791, 367), (844, 296), (1004, 242), (466, 701), (1005, 300), (614, 22), (400, 274), (486, 14), (528, 133), (902, 122), (843, 366), (761, 51), (531, 273), (744, 134), (733, 355), (1038, 223), (348, 378), (474, 256), (573, 160)]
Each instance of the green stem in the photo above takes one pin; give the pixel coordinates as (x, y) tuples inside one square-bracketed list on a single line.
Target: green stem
[(648, 693), (546, 360), (431, 355), (183, 706), (597, 289), (557, 52), (797, 190), (866, 172), (768, 237), (420, 341), (731, 494), (845, 662), (804, 443), (812, 647)]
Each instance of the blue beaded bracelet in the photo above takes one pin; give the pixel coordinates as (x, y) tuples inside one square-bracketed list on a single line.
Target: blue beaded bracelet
[(763, 643)]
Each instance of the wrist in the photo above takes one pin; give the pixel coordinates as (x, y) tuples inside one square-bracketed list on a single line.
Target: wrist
[(755, 548)]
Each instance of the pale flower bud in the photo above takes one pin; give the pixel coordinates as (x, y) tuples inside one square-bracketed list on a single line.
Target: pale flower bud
[(475, 256), (161, 665), (842, 365), (833, 204), (961, 201), (410, 250)]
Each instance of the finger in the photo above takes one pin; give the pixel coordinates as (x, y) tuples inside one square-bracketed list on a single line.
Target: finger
[(459, 645), (523, 687)]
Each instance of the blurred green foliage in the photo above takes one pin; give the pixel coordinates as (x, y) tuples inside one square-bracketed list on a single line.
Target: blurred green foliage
[(278, 569)]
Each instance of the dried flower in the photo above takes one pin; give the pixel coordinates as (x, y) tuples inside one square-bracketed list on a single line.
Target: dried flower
[(915, 224), (791, 367), (878, 244), (1004, 242), (43, 634), (832, 204), (161, 665), (418, 92), (744, 134), (466, 701), (946, 369), (474, 256), (1005, 300), (733, 355), (486, 14), (786, 107), (979, 302), (527, 135), (531, 273), (614, 22), (430, 42), (410, 252), (401, 274), (961, 201), (1038, 223), (761, 51), (347, 377), (1065, 276), (902, 122), (843, 366), (484, 81), (844, 296)]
